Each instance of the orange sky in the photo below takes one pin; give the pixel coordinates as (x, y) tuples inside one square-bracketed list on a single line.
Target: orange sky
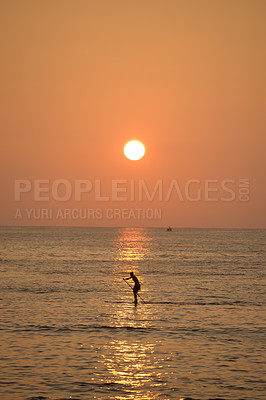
[(187, 78)]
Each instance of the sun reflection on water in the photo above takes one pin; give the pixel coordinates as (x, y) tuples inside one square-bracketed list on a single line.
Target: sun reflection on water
[(129, 364), (133, 367), (133, 245)]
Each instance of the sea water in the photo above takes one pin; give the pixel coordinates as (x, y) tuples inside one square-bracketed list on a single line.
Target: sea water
[(69, 327)]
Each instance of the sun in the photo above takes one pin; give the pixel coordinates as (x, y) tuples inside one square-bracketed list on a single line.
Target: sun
[(134, 150)]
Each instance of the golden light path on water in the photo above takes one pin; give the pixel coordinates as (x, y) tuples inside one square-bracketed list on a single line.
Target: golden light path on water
[(133, 245), (135, 367), (133, 363), (132, 366)]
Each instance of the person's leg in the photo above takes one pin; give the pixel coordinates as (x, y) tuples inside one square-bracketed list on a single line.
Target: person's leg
[(135, 296)]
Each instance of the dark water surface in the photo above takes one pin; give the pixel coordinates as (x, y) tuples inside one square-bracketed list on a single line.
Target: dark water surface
[(69, 328)]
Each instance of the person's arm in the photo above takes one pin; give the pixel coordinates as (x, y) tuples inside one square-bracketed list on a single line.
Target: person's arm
[(126, 279)]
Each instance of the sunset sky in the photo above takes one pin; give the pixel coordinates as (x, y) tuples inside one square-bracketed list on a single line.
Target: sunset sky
[(79, 79)]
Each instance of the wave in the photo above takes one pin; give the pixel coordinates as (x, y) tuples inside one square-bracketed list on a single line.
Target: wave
[(50, 290), (81, 327), (193, 303), (165, 330), (112, 384)]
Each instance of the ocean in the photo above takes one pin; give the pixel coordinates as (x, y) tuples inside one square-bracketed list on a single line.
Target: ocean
[(70, 330)]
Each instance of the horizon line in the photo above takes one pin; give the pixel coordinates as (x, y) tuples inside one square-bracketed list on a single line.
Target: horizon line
[(133, 227)]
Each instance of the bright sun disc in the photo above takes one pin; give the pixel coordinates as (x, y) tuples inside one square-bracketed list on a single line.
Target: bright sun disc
[(134, 150)]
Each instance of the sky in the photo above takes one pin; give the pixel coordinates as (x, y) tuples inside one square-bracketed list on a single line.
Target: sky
[(79, 79)]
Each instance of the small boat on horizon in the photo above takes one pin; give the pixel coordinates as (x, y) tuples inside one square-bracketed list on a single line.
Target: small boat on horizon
[(169, 229)]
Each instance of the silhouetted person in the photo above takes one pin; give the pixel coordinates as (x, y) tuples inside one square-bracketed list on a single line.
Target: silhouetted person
[(136, 287)]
